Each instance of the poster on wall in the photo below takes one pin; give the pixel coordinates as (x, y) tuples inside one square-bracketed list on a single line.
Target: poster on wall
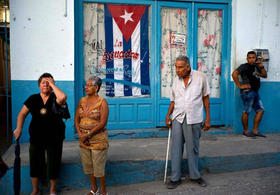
[(126, 52), (177, 38)]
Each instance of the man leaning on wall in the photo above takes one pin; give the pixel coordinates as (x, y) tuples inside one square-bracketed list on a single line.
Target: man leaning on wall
[(250, 74)]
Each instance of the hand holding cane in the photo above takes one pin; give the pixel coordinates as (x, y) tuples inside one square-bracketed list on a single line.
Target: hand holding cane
[(167, 154)]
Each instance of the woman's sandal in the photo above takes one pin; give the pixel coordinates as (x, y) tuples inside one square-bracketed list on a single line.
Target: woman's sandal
[(93, 193)]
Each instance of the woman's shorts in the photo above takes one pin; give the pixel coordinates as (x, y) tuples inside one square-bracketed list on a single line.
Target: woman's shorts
[(94, 161), (38, 165)]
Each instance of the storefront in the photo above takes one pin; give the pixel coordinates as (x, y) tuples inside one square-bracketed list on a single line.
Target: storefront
[(132, 46)]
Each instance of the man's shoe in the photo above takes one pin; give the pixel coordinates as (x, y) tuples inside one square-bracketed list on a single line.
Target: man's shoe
[(249, 134), (259, 134), (173, 184), (200, 182)]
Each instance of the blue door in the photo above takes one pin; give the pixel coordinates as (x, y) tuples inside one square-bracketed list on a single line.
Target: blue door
[(117, 45), (198, 30), (211, 55), (132, 47)]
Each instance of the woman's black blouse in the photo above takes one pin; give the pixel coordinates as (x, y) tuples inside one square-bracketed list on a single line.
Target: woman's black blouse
[(45, 126)]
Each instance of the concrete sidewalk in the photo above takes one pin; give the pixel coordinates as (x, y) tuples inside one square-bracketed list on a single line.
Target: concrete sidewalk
[(140, 160), (262, 181)]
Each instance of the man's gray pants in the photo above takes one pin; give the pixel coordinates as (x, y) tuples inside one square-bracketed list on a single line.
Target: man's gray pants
[(189, 134)]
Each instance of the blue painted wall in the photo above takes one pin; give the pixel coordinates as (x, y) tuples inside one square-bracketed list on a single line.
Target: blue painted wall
[(269, 93), (21, 90), (270, 96)]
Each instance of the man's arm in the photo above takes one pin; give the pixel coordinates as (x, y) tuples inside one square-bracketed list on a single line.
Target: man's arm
[(263, 73), (167, 118), (206, 105), (236, 81)]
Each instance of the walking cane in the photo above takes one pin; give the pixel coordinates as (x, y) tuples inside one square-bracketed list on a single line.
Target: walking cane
[(167, 154), (17, 169)]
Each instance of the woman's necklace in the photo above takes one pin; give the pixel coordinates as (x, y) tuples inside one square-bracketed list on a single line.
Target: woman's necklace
[(45, 98)]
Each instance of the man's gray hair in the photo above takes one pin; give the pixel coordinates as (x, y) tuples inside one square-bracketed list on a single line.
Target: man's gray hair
[(96, 81), (184, 58)]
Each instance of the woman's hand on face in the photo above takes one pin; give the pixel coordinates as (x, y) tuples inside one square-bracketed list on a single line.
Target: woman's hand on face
[(50, 81)]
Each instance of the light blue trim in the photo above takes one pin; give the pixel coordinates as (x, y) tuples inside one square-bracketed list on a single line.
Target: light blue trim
[(227, 62), (79, 59)]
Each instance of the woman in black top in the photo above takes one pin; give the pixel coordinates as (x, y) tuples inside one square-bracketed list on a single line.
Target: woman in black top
[(46, 131)]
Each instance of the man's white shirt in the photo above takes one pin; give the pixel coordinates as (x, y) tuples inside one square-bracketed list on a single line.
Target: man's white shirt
[(188, 100)]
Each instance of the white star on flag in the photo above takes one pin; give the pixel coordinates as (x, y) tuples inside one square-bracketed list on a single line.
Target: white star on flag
[(127, 17)]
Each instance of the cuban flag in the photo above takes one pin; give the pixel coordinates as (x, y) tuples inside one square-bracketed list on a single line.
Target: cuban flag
[(126, 50)]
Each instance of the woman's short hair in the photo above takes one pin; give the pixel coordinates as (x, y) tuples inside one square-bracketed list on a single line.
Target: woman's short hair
[(96, 81), (45, 75)]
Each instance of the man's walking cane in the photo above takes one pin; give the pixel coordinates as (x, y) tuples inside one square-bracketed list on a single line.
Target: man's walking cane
[(167, 154)]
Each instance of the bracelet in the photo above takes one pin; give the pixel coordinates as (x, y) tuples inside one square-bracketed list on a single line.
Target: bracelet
[(89, 134)]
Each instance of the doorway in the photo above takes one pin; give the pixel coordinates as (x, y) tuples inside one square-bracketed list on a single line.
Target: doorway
[(5, 82), (137, 77)]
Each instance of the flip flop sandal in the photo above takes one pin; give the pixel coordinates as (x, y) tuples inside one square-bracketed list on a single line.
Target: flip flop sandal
[(93, 193)]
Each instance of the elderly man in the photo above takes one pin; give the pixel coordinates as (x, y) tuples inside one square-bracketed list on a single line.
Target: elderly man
[(190, 92)]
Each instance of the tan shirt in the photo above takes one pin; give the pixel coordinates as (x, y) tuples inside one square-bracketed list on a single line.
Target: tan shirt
[(188, 100), (89, 118)]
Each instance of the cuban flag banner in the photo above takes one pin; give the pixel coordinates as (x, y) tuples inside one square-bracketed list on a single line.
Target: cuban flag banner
[(126, 50)]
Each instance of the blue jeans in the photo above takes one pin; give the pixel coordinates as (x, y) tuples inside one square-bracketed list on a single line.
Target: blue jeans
[(251, 99), (181, 133)]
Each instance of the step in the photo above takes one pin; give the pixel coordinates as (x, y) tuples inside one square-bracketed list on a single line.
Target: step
[(141, 160)]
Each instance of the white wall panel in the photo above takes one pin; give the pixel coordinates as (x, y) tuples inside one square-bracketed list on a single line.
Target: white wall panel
[(256, 24), (42, 39)]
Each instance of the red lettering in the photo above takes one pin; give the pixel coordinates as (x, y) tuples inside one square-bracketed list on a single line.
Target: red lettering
[(122, 54)]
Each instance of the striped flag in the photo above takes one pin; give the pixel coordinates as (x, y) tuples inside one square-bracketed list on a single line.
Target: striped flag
[(126, 50)]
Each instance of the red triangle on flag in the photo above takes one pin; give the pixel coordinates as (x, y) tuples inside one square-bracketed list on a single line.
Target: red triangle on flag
[(127, 17)]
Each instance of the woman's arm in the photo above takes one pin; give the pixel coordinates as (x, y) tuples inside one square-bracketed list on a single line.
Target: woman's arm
[(82, 136), (20, 121), (60, 95)]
